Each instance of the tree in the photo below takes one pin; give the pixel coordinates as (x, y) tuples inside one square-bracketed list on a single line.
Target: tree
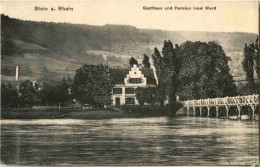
[(133, 61), (69, 79), (29, 95), (151, 96), (64, 80), (48, 95), (158, 64), (62, 93), (250, 64), (146, 95), (146, 62), (54, 93), (171, 70), (3, 86), (193, 70), (167, 69), (9, 97), (140, 95), (204, 71), (256, 57), (92, 84)]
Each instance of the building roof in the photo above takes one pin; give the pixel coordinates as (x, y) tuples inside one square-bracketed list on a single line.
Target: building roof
[(118, 75)]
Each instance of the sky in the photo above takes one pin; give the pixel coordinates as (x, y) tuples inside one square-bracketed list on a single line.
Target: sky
[(228, 16)]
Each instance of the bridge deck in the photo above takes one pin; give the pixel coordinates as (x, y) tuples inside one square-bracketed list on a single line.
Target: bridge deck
[(227, 102)]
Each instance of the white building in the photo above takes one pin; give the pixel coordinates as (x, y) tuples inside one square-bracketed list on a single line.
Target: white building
[(38, 84), (127, 81)]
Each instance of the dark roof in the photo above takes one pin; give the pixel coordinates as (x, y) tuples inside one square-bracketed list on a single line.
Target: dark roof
[(118, 75)]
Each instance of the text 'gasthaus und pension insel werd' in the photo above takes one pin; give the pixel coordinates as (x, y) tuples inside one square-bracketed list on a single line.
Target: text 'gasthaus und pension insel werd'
[(180, 8)]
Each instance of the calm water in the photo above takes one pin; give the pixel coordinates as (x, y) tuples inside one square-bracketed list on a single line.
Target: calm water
[(144, 141)]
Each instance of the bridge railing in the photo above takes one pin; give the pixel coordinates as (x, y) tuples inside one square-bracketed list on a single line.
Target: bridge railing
[(224, 101)]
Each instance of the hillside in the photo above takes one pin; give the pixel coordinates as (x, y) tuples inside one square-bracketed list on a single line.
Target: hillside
[(55, 50)]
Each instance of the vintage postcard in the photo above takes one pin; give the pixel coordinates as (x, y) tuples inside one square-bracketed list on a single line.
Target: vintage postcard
[(129, 83)]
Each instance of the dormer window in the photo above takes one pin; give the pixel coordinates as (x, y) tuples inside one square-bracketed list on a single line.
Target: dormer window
[(135, 80)]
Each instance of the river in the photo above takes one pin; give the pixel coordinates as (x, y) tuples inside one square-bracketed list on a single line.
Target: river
[(142, 141)]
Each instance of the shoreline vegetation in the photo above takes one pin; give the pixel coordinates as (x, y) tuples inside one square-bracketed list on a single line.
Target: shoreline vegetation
[(105, 113)]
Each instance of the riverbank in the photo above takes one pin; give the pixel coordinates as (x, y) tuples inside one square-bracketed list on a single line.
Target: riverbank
[(69, 113), (75, 114), (124, 111), (60, 114)]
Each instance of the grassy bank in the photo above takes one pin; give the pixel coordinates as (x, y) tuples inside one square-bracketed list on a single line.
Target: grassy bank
[(121, 112), (71, 114), (62, 114)]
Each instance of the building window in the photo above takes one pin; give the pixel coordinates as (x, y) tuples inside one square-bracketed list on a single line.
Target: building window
[(135, 80), (129, 91), (117, 90), (130, 101)]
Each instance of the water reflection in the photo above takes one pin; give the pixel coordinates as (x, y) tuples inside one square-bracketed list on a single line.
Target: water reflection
[(144, 141)]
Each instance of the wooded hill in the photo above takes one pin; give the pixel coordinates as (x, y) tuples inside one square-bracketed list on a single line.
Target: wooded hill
[(47, 51)]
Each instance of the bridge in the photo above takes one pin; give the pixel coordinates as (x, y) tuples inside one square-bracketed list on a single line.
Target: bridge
[(238, 101)]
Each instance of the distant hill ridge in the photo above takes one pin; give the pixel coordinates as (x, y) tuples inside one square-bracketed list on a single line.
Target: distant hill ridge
[(54, 50)]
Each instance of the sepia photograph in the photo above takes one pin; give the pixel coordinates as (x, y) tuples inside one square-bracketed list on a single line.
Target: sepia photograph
[(129, 83)]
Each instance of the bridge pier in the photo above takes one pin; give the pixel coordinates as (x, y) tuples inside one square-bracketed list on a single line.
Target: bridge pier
[(208, 107), (194, 111), (239, 110), (217, 107), (227, 109), (253, 111)]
